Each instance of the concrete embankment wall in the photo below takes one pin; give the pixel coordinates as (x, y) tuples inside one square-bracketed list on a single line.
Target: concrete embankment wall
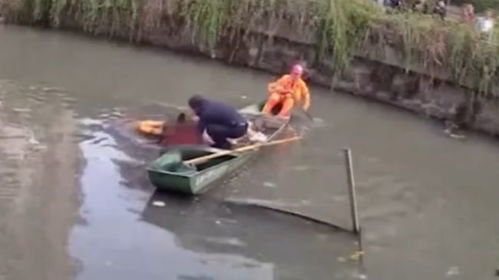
[(273, 45)]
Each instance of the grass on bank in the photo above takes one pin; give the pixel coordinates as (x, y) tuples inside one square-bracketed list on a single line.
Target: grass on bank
[(343, 28)]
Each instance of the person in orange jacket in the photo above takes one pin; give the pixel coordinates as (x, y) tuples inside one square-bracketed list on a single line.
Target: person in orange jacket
[(287, 91)]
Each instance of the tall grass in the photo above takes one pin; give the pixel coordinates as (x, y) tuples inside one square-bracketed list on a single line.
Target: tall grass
[(342, 29)]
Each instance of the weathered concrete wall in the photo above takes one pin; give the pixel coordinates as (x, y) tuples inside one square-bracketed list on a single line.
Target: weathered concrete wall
[(383, 80), (375, 74)]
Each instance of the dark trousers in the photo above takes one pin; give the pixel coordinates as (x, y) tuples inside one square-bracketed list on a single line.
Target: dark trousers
[(220, 134)]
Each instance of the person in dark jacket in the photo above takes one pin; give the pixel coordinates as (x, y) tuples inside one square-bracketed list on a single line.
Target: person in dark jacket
[(218, 121)]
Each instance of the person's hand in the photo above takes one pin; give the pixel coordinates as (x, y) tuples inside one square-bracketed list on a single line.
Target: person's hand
[(207, 138), (191, 115)]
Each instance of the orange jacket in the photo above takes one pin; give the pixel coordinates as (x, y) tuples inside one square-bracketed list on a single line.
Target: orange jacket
[(298, 89)]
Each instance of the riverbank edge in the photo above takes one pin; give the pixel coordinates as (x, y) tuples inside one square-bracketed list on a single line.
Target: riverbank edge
[(386, 81)]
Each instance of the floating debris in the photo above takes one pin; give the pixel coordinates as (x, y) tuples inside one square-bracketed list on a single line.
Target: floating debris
[(52, 89), (457, 136), (269, 185), (339, 198), (21, 110), (306, 202), (318, 123), (453, 271), (301, 167), (356, 256), (33, 141), (158, 203), (226, 241)]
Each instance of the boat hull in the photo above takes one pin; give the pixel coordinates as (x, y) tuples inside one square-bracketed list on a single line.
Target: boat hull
[(166, 175), (195, 182)]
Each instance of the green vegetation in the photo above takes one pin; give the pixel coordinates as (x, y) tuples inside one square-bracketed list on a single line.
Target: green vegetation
[(343, 29), (96, 16), (479, 5)]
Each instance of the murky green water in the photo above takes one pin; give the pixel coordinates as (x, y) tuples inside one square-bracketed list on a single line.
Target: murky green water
[(75, 201)]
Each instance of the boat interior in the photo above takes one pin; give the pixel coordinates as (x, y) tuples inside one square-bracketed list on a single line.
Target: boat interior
[(195, 153)]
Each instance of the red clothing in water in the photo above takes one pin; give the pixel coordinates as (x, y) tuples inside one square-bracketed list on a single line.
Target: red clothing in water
[(181, 134)]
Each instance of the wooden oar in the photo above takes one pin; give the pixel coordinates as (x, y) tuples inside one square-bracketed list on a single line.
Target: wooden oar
[(308, 115), (302, 111), (242, 149)]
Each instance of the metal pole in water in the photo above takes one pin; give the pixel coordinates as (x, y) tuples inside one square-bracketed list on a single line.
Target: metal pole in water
[(351, 190)]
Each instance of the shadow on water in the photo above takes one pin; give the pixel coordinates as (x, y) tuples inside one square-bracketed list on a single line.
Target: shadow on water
[(295, 248)]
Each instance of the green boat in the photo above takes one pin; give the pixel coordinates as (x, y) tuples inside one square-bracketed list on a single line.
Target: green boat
[(166, 174)]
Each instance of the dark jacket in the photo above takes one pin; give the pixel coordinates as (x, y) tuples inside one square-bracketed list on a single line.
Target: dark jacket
[(212, 112)]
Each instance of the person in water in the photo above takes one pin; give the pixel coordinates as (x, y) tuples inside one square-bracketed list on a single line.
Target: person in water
[(219, 122), (179, 133), (287, 91)]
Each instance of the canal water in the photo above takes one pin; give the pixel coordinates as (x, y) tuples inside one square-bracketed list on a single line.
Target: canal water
[(75, 201)]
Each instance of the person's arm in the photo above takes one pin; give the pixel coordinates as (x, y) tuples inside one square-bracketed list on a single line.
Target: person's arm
[(277, 86), (201, 126), (306, 96)]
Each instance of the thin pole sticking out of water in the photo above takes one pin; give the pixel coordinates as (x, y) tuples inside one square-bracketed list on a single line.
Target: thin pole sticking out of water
[(354, 210), (351, 190)]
